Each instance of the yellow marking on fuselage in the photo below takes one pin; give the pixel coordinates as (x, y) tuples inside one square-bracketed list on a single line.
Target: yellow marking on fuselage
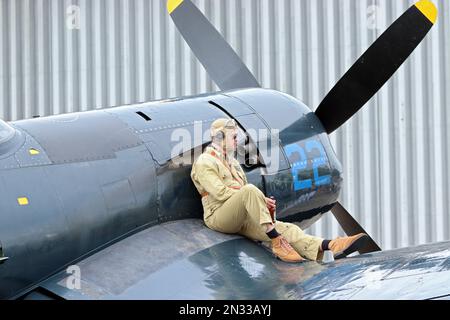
[(23, 201), (34, 152)]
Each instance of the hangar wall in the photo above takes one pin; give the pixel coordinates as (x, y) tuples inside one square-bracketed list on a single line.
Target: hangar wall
[(60, 56)]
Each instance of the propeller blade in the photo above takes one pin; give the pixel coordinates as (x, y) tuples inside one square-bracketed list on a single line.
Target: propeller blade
[(377, 65), (223, 65), (351, 227)]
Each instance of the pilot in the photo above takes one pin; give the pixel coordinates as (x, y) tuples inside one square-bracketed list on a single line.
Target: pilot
[(233, 206)]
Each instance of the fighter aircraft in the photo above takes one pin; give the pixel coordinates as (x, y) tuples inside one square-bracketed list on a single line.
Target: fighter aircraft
[(96, 205)]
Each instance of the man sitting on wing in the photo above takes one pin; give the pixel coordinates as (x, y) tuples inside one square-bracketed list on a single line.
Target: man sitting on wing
[(233, 206)]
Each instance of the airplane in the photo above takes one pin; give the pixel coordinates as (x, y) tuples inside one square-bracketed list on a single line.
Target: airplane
[(96, 205)]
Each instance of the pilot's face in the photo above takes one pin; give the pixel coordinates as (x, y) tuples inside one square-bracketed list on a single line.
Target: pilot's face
[(231, 140)]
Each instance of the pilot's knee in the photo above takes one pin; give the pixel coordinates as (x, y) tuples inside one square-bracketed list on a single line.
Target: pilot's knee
[(250, 189)]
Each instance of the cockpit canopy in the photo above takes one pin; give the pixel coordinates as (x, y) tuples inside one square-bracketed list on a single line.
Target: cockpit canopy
[(6, 132)]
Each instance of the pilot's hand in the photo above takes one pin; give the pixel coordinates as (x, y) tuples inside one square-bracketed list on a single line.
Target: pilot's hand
[(271, 204)]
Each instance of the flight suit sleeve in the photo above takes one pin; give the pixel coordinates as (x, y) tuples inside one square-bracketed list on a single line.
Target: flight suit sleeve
[(208, 176), (241, 172), (243, 175)]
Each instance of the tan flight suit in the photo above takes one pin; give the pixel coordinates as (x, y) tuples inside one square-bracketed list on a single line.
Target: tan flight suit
[(233, 206)]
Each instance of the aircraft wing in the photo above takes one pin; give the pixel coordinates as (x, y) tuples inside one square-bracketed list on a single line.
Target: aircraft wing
[(185, 260)]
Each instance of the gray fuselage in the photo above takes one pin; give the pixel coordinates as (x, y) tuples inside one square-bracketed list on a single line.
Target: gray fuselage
[(73, 184)]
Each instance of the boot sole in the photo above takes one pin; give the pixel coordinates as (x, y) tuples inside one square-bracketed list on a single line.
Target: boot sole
[(355, 246)]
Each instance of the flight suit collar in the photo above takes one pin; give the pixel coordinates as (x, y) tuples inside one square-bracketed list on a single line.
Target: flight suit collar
[(217, 152)]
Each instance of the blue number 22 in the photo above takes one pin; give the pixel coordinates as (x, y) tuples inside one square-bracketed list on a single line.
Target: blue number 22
[(302, 164)]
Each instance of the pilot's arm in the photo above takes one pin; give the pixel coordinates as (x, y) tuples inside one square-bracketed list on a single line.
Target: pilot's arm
[(240, 172), (207, 175)]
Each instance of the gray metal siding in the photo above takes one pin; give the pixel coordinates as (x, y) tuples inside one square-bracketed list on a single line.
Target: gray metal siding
[(395, 152)]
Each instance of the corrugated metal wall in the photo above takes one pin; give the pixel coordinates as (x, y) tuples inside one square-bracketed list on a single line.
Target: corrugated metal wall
[(61, 56)]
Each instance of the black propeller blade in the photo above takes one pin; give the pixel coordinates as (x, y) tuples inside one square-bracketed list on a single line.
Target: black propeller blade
[(377, 65), (351, 227), (364, 79), (220, 61)]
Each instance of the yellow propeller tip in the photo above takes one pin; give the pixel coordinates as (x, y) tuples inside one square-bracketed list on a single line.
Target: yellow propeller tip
[(428, 9), (172, 5)]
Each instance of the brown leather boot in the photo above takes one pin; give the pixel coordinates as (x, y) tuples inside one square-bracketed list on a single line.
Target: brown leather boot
[(342, 247), (284, 251)]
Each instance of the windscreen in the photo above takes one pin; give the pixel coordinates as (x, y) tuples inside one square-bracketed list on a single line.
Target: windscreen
[(6, 132)]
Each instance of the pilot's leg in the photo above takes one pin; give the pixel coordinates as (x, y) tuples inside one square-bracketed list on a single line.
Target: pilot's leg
[(247, 204), (246, 213), (306, 245)]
